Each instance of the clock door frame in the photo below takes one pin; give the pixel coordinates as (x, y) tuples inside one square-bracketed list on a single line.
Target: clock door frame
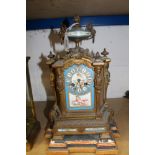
[(59, 68)]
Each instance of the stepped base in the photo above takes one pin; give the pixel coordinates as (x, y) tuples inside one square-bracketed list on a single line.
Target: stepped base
[(97, 144)]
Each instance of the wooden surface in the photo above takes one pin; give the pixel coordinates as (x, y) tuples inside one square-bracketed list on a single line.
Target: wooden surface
[(121, 109)]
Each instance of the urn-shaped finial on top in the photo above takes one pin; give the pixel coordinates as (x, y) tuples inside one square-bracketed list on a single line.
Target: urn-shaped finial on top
[(105, 52)]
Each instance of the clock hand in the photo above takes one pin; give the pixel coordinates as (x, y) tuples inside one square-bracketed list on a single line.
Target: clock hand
[(72, 84), (86, 84)]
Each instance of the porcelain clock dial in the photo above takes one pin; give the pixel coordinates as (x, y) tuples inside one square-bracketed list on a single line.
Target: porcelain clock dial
[(79, 87)]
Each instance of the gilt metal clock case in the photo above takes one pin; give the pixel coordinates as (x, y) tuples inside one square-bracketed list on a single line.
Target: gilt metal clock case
[(79, 85)]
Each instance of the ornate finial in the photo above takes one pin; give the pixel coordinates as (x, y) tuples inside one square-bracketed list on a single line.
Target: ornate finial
[(97, 55), (76, 19), (51, 55), (105, 53)]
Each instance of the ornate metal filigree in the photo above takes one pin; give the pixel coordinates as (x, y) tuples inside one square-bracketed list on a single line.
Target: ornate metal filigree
[(106, 74), (78, 53), (52, 78), (90, 28), (59, 80), (98, 77), (60, 36), (73, 61), (54, 113)]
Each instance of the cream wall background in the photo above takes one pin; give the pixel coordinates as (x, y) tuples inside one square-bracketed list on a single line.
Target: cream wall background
[(114, 38)]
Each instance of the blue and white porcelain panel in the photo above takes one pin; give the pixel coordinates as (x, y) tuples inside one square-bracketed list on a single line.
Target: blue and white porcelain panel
[(79, 87)]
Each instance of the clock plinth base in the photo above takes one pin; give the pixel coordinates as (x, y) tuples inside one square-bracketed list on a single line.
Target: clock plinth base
[(77, 126), (95, 144), (93, 136)]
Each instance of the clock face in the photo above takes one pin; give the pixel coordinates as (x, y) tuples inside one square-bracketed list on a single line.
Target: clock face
[(79, 87)]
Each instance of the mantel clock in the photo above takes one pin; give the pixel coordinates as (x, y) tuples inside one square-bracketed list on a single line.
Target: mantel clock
[(80, 79)]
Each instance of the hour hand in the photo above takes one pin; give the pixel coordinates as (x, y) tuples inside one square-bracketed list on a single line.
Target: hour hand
[(72, 84), (86, 83)]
